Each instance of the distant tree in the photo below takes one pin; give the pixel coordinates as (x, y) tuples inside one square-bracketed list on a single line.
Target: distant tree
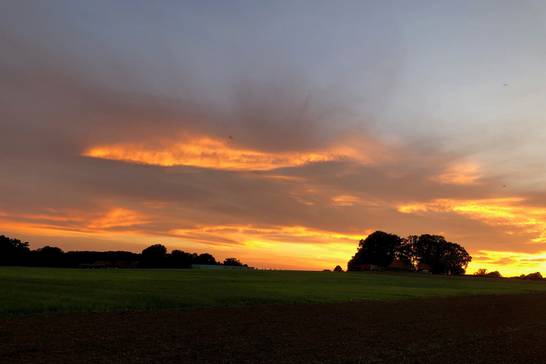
[(483, 273), (205, 258), (532, 276), (442, 256), (338, 269), (49, 256), (234, 262), (379, 248), (494, 274), (13, 251), (154, 256), (455, 259), (180, 259)]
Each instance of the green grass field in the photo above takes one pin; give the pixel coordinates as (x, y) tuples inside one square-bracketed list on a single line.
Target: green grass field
[(43, 290)]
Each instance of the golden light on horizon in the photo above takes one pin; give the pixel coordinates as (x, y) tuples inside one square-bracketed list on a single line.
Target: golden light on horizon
[(286, 247), (294, 247), (208, 152), (509, 263)]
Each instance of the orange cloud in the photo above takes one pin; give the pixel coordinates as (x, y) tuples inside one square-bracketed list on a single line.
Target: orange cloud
[(290, 234), (346, 200), (208, 152), (117, 218), (68, 222), (461, 173), (509, 212)]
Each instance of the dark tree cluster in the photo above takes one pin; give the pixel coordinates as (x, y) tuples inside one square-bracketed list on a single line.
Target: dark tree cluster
[(426, 252), (15, 252), (531, 276), (484, 273)]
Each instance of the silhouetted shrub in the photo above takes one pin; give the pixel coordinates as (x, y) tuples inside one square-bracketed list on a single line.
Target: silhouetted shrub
[(532, 276), (494, 274), (233, 262)]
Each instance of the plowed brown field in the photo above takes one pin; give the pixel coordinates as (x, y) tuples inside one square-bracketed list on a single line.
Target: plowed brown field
[(469, 329)]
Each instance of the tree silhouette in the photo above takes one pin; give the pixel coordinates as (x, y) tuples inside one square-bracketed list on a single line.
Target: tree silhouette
[(442, 256), (532, 276), (385, 250), (154, 256), (483, 273), (13, 251), (494, 274), (205, 259), (338, 269), (379, 249), (49, 256), (233, 262), (180, 259)]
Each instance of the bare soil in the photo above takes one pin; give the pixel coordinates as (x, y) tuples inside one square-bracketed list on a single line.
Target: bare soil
[(471, 329)]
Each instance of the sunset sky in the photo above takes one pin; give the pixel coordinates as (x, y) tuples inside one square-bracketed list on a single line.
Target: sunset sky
[(279, 132)]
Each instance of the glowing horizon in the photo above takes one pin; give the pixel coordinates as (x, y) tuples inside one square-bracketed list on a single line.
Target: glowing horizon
[(292, 247)]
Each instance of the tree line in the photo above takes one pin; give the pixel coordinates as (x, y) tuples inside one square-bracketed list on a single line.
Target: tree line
[(431, 253), (15, 252), (536, 276)]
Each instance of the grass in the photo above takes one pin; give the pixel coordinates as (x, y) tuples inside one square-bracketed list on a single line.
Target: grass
[(46, 290)]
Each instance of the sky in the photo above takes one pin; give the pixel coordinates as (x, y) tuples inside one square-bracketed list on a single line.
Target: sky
[(279, 132)]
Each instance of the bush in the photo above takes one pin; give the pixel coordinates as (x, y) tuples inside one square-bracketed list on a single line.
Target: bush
[(532, 276)]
